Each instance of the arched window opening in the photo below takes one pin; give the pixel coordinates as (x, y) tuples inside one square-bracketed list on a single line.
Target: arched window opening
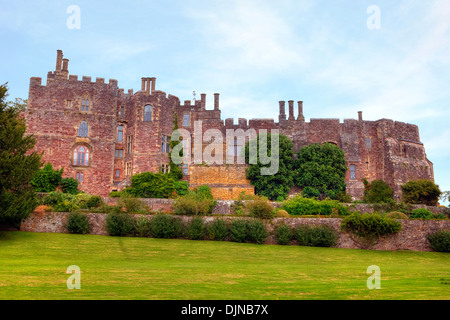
[(148, 113), (81, 156), (83, 129)]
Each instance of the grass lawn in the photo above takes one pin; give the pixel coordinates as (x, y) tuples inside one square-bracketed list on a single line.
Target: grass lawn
[(33, 266)]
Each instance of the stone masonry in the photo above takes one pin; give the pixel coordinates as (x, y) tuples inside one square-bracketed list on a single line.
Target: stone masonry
[(101, 135)]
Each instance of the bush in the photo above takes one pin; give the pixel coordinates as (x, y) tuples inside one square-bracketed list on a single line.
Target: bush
[(260, 208), (142, 226), (368, 228), (53, 198), (377, 192), (115, 194), (132, 204), (421, 192), (196, 229), (69, 185), (166, 226), (238, 230), (46, 179), (181, 187), (344, 197), (282, 214), (421, 213), (119, 224), (256, 231), (315, 236), (283, 234), (78, 223), (196, 202), (304, 206), (151, 185), (310, 192), (218, 230), (440, 241), (397, 215)]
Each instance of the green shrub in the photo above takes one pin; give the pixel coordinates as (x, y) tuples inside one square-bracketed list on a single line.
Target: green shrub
[(69, 185), (421, 192), (377, 191), (282, 214), (421, 213), (78, 223), (166, 226), (218, 230), (151, 185), (53, 198), (196, 229), (368, 228), (343, 197), (181, 187), (283, 234), (196, 202), (397, 215), (238, 230), (256, 231), (46, 179), (260, 208), (104, 208), (311, 192), (94, 201), (315, 236), (119, 224), (304, 206), (440, 241), (115, 194), (142, 226), (132, 204)]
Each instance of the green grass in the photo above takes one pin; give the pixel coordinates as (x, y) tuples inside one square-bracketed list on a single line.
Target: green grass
[(33, 266)]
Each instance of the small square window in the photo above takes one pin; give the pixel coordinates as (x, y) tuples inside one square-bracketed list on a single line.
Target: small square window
[(117, 173)]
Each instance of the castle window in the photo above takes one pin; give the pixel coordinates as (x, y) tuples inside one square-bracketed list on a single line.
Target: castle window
[(83, 129), (235, 148), (129, 144), (186, 120), (122, 111), (68, 103), (165, 144), (352, 172), (85, 103), (81, 156), (120, 134), (165, 168), (117, 173), (185, 168), (148, 113), (119, 153), (368, 143), (128, 172), (80, 176)]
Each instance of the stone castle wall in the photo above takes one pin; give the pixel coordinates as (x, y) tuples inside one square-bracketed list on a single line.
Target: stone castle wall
[(382, 149)]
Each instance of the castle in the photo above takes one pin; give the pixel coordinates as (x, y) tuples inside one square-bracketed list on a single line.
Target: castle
[(102, 136)]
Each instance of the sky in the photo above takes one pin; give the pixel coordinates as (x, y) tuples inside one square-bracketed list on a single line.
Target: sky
[(387, 58)]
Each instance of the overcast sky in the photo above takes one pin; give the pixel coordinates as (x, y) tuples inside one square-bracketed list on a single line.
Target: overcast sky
[(389, 59)]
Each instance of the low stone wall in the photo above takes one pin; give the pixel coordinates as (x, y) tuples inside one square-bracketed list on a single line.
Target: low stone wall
[(413, 235)]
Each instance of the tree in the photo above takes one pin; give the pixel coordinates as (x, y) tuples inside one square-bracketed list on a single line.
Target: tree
[(175, 169), (17, 165), (321, 169), (377, 192), (421, 191), (273, 186), (46, 179)]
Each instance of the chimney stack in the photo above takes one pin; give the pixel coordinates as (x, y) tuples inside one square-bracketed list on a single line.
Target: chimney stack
[(203, 101), (291, 110), (59, 59), (360, 118), (282, 115), (216, 101), (153, 80), (300, 111)]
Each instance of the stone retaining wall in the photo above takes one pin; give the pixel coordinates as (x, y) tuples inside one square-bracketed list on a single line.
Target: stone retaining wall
[(413, 235)]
